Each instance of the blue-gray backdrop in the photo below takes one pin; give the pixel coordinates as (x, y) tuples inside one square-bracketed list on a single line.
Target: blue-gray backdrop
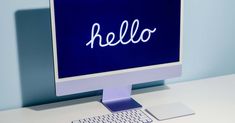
[(26, 73)]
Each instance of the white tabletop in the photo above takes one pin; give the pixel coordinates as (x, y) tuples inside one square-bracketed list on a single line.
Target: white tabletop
[(213, 101)]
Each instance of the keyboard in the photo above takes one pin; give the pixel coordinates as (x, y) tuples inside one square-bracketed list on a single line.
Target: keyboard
[(129, 116)]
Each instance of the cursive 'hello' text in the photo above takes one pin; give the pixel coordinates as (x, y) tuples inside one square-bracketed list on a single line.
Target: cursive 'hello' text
[(123, 30)]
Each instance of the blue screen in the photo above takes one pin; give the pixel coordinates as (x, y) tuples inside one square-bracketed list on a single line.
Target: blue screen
[(95, 36)]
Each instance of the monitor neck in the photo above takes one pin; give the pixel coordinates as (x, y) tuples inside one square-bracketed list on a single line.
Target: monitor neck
[(118, 98)]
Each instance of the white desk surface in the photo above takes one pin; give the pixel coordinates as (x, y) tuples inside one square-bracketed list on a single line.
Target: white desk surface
[(212, 99)]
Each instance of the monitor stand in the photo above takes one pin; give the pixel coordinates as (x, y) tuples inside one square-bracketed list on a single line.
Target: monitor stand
[(118, 98)]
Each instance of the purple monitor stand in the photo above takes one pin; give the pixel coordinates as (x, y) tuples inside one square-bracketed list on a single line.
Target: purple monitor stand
[(119, 99)]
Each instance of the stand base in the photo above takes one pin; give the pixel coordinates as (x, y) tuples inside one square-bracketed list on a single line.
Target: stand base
[(118, 98), (170, 111), (121, 105)]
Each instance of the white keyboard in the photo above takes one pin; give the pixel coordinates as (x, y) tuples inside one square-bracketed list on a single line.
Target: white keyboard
[(129, 116)]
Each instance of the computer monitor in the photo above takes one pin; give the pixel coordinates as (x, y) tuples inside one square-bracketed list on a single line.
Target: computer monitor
[(110, 45)]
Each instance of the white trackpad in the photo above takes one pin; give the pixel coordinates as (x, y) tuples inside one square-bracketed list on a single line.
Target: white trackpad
[(169, 111)]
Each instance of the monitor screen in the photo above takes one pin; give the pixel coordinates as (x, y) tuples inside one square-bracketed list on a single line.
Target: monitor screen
[(96, 36)]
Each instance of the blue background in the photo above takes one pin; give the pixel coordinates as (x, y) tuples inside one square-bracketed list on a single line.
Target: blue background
[(74, 20), (26, 62)]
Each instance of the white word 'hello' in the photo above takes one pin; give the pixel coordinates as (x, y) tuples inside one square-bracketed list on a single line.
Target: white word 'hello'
[(123, 30)]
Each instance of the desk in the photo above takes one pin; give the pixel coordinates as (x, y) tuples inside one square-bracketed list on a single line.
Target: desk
[(212, 99)]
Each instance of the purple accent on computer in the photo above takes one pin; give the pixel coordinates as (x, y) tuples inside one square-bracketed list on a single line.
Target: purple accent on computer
[(98, 83)]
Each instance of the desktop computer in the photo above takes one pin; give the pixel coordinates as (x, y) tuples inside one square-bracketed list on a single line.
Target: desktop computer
[(110, 45)]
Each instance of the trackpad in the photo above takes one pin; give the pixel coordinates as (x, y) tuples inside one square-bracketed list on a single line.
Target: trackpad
[(169, 111)]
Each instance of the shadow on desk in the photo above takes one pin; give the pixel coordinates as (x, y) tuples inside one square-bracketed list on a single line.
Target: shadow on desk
[(35, 54)]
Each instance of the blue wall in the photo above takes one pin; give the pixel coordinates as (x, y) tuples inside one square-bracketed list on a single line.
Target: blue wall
[(26, 73)]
